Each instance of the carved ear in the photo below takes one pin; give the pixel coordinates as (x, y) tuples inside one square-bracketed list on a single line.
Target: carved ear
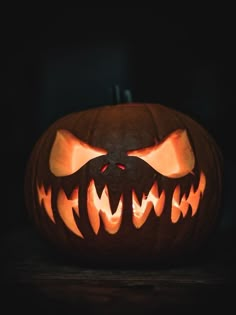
[(173, 157), (69, 154)]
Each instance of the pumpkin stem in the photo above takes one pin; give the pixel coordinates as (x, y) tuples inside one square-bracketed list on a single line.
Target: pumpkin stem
[(127, 96), (116, 94)]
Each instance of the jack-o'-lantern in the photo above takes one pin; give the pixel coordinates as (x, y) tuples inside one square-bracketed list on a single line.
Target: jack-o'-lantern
[(127, 183)]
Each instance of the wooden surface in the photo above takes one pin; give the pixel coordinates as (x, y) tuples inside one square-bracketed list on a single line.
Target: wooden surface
[(35, 281)]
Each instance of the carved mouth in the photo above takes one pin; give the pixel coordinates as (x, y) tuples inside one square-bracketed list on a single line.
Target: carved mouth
[(99, 207)]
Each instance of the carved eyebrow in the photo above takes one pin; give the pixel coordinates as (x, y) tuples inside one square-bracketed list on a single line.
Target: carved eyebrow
[(69, 154), (173, 157)]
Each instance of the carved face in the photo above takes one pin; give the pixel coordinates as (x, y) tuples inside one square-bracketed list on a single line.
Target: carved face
[(125, 174)]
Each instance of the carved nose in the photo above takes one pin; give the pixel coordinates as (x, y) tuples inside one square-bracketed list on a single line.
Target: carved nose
[(119, 165)]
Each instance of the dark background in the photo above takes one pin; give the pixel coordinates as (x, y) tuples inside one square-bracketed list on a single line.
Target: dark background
[(61, 62)]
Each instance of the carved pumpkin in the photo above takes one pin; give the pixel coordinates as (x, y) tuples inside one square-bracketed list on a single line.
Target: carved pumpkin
[(128, 183)]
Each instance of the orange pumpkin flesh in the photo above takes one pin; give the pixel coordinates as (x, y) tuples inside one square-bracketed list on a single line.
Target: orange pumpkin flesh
[(125, 184)]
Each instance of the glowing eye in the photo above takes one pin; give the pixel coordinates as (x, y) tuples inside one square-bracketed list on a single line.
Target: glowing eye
[(173, 157), (69, 154)]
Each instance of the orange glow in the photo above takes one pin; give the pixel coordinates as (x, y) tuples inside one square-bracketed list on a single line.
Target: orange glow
[(65, 208), (100, 209), (69, 154), (45, 199), (141, 212), (173, 157), (182, 206), (101, 206)]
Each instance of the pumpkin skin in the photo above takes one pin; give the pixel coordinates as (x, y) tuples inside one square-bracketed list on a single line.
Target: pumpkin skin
[(127, 184)]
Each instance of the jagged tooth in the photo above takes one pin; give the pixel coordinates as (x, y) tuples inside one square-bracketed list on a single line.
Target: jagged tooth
[(110, 220), (149, 187), (160, 191), (93, 210), (185, 190), (160, 187), (196, 194), (99, 186), (141, 210), (111, 225), (74, 194), (186, 184), (176, 196), (45, 200), (181, 203), (65, 209), (46, 187), (159, 207), (138, 221), (114, 199), (175, 214), (184, 207), (139, 195), (193, 200), (68, 190)]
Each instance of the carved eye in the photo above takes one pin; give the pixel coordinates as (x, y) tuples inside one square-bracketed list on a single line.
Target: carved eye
[(173, 157), (69, 154)]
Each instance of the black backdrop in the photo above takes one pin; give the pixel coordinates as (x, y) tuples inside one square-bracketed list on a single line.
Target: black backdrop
[(61, 62)]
